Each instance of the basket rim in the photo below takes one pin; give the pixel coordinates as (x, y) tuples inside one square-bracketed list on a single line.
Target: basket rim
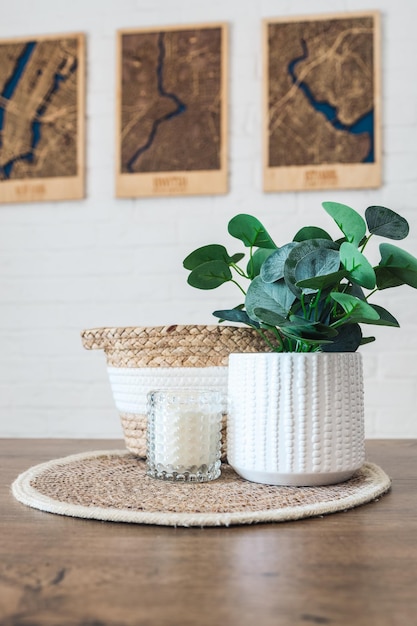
[(160, 328), (163, 337)]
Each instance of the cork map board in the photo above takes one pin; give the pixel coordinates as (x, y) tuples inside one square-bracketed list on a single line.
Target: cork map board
[(42, 118), (171, 111), (322, 102)]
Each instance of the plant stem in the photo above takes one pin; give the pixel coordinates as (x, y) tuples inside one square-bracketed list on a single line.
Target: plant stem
[(366, 241), (371, 293), (239, 270), (250, 268), (303, 306), (268, 342), (237, 284), (340, 321)]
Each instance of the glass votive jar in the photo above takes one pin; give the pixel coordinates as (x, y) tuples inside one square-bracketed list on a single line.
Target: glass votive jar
[(184, 434)]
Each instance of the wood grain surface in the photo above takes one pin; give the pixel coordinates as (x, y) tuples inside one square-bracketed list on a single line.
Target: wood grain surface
[(356, 568)]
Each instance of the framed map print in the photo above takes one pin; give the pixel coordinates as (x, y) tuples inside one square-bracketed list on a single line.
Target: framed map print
[(42, 118), (322, 102), (171, 111)]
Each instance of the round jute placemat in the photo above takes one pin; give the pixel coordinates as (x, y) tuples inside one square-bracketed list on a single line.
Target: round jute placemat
[(113, 486)]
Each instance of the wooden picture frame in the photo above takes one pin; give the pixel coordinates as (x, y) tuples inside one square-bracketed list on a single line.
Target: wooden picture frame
[(322, 100), (171, 112), (42, 118)]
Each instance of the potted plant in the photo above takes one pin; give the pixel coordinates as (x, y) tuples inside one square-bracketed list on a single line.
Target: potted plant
[(295, 415)]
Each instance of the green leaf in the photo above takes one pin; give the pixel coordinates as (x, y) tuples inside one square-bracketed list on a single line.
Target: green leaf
[(385, 317), (358, 266), (313, 329), (254, 265), (401, 264), (235, 258), (210, 275), (271, 318), (348, 339), (358, 310), (393, 256), (298, 329), (322, 282), (351, 224), (366, 340), (275, 297), (250, 231), (213, 252), (386, 223), (236, 315), (306, 260), (407, 277), (311, 232), (385, 278), (273, 268), (355, 290)]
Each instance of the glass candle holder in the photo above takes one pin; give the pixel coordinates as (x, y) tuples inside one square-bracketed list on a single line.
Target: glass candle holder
[(184, 434)]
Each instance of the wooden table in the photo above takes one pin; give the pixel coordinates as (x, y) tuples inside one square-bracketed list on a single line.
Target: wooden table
[(353, 568)]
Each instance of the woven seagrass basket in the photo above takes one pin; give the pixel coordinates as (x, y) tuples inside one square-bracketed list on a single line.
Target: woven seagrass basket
[(140, 359)]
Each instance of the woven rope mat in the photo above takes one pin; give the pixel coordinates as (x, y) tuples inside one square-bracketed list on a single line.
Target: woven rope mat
[(113, 486)]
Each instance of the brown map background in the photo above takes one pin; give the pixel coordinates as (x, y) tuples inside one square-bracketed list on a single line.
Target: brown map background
[(56, 152), (338, 70), (191, 140)]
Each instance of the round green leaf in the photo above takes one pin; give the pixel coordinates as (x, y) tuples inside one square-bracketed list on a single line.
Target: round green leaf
[(385, 317), (401, 265), (385, 278), (272, 318), (259, 257), (273, 268), (250, 231), (313, 263), (323, 282), (213, 252), (357, 265), (407, 277), (275, 297), (351, 224), (311, 232), (358, 310), (348, 339), (393, 256), (386, 223), (310, 329), (235, 315), (210, 275), (235, 258), (366, 340)]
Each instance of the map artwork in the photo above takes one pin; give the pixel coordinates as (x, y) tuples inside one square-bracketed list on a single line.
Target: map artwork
[(171, 115), (322, 92), (41, 119)]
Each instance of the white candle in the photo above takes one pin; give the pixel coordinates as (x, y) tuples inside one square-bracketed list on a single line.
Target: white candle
[(184, 431)]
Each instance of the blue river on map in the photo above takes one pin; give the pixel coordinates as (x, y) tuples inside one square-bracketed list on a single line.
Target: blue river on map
[(364, 124), (7, 94), (181, 107)]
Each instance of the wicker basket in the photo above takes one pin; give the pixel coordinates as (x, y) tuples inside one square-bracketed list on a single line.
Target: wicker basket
[(140, 359)]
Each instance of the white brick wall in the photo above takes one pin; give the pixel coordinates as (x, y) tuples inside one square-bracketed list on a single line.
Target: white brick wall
[(101, 261)]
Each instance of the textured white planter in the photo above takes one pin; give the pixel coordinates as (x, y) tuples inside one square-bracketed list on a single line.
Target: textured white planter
[(295, 419)]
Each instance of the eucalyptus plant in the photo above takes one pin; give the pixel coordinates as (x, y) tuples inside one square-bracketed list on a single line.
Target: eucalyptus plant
[(314, 292)]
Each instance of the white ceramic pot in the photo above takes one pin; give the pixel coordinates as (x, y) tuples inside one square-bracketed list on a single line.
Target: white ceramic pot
[(294, 418)]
